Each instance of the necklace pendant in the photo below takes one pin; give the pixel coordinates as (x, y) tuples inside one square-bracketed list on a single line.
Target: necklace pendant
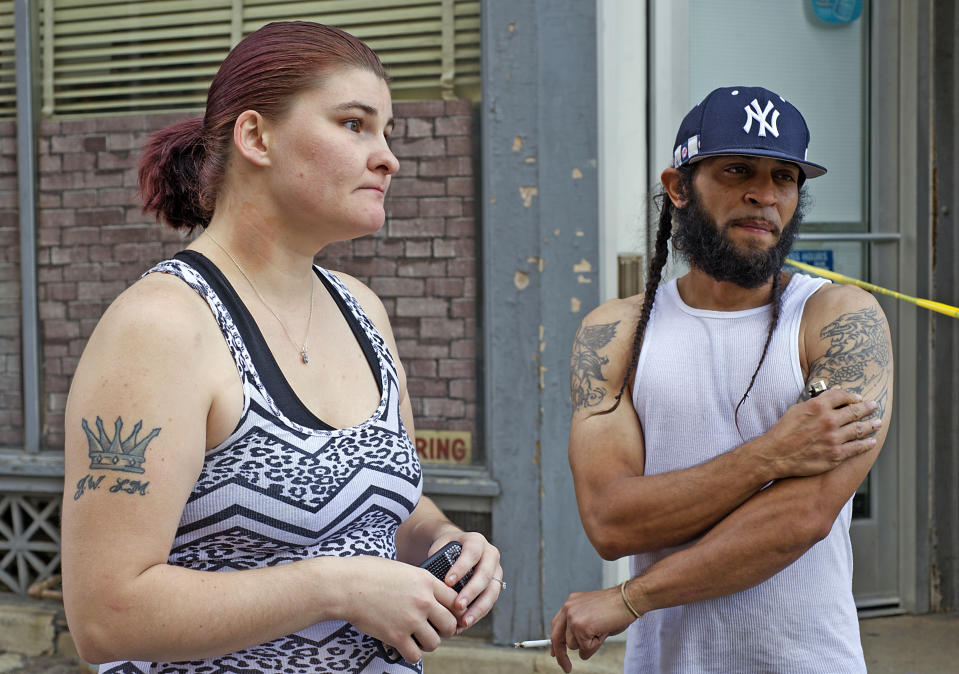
[(305, 357)]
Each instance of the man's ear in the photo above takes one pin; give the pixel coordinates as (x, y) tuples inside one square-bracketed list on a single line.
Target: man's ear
[(671, 180), (251, 137)]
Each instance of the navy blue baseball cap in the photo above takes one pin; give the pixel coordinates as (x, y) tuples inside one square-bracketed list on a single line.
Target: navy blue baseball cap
[(745, 120)]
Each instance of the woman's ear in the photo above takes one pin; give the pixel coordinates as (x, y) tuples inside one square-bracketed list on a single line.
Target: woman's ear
[(251, 137), (671, 180)]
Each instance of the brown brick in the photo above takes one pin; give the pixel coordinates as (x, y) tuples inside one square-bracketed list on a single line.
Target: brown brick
[(418, 147), (442, 407), (418, 187), (460, 186), (364, 248), (417, 227), (463, 308), (463, 389), (459, 145), (414, 348), (49, 163), (457, 368), (463, 348), (117, 196), (446, 166), (420, 368), (396, 287), (121, 141), (444, 287), (458, 125), (389, 248), (402, 208), (125, 234), (421, 306), (417, 248), (77, 126), (446, 328), (51, 310), (100, 217), (116, 160), (418, 109), (94, 144), (79, 198), (444, 248), (461, 228), (102, 179), (72, 143), (131, 122), (422, 387), (60, 330), (441, 207), (417, 127), (459, 106), (57, 218), (421, 268), (44, 200)]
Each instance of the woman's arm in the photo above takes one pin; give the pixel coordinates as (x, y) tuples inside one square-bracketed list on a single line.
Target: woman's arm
[(428, 529)]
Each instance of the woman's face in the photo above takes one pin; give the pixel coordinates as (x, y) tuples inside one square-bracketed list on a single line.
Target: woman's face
[(330, 161)]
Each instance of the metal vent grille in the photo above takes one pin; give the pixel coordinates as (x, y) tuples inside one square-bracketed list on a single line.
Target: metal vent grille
[(29, 539), (8, 73), (122, 56)]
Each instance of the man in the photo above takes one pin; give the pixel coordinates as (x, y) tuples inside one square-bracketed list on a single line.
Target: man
[(696, 445)]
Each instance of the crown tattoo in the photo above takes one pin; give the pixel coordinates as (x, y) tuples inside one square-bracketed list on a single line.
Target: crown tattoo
[(115, 454)]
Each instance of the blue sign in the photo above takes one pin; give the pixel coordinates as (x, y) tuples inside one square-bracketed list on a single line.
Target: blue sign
[(817, 258), (837, 11)]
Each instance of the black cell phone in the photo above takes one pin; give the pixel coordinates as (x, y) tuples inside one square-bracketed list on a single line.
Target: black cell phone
[(438, 564)]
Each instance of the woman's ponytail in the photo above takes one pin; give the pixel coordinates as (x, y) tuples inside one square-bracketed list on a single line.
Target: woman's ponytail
[(171, 176)]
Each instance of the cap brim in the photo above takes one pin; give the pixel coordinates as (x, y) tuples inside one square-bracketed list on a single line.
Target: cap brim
[(809, 169)]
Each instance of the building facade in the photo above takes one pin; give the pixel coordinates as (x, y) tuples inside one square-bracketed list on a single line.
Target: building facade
[(522, 202)]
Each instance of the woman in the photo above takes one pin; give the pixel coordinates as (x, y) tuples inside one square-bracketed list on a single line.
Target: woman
[(239, 409)]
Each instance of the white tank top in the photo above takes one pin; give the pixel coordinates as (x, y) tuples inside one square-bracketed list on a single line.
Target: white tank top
[(693, 369)]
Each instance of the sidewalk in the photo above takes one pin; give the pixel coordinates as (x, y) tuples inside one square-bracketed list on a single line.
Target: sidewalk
[(34, 640)]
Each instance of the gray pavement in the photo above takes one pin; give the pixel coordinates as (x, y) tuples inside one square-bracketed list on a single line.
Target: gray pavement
[(34, 640)]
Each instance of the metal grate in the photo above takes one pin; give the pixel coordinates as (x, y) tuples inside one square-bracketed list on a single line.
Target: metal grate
[(8, 71), (126, 56), (29, 539)]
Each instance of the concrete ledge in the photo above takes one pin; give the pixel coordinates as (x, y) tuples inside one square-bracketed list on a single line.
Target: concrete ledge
[(462, 655), (30, 626)]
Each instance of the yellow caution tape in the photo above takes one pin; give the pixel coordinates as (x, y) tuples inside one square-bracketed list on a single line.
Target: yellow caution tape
[(839, 278)]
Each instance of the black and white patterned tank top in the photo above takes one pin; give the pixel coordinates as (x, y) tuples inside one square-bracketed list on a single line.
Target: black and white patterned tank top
[(286, 486)]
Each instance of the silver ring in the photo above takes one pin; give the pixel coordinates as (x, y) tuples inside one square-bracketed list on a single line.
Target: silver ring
[(501, 582)]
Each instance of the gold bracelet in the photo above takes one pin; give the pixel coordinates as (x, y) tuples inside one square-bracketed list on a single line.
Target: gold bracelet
[(622, 591)]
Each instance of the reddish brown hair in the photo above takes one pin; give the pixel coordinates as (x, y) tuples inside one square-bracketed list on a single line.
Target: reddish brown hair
[(182, 166)]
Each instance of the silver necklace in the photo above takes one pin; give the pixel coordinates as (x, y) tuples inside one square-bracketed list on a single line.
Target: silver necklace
[(304, 351)]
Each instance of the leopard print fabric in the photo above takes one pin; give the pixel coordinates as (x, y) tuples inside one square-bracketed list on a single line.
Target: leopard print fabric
[(278, 490)]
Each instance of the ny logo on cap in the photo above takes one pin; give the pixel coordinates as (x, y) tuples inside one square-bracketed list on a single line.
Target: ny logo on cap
[(760, 114)]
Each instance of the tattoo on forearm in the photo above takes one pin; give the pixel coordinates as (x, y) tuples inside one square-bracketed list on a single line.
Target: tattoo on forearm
[(115, 453), (858, 356), (586, 365)]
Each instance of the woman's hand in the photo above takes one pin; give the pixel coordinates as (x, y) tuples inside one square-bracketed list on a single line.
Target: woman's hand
[(483, 589), (399, 604)]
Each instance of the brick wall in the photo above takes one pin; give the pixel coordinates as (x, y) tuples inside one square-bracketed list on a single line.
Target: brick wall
[(11, 401), (93, 241)]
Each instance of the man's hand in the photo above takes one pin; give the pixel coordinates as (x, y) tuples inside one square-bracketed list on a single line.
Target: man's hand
[(584, 622), (818, 434)]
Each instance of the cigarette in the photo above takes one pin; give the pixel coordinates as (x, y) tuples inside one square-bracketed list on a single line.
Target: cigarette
[(536, 643)]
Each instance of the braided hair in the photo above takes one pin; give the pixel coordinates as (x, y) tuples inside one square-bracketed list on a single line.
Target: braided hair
[(654, 276)]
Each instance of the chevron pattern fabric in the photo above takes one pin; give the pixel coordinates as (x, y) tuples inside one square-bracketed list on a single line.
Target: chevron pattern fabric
[(285, 486)]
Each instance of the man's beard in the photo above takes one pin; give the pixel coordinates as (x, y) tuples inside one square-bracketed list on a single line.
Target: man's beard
[(699, 241)]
